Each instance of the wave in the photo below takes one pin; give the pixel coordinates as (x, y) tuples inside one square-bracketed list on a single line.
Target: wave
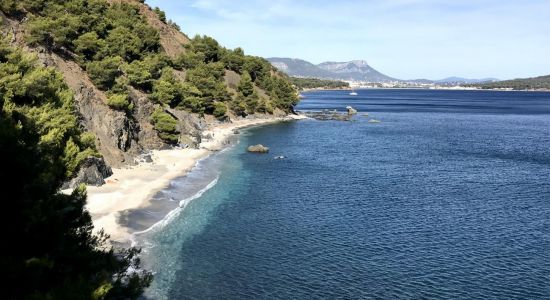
[(175, 212)]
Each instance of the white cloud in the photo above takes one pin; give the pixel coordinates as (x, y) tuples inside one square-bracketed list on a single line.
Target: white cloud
[(404, 38)]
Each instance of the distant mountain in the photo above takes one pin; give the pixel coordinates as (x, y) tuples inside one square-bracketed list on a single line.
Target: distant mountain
[(357, 70), (465, 80), (451, 81), (300, 68)]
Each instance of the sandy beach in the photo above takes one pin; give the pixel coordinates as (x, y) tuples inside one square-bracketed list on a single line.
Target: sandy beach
[(134, 186)]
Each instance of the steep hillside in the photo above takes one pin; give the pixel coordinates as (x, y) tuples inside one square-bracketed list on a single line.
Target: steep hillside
[(138, 82)]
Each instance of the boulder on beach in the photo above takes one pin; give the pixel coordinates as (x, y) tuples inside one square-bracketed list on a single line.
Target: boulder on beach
[(93, 171), (258, 149)]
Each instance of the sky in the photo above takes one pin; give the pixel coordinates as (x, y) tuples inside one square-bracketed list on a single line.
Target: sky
[(406, 39)]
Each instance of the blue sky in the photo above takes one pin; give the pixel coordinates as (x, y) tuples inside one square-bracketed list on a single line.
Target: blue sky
[(402, 38)]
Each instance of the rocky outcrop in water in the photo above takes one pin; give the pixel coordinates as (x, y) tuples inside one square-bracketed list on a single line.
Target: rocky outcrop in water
[(258, 149), (351, 110), (328, 115)]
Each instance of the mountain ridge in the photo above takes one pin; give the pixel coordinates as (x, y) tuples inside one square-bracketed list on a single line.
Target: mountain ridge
[(356, 70)]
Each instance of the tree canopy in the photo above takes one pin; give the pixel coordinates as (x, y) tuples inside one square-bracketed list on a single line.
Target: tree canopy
[(50, 251)]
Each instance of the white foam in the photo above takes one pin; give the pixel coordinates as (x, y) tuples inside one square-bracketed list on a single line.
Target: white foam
[(175, 212)]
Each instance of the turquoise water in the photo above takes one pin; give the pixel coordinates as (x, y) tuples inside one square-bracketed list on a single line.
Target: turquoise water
[(447, 198)]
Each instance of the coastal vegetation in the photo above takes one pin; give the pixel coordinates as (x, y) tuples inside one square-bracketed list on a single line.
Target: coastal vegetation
[(535, 83), (56, 255), (118, 49), (314, 83)]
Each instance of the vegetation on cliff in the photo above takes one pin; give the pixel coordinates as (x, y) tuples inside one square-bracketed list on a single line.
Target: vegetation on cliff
[(56, 255), (120, 51), (117, 47)]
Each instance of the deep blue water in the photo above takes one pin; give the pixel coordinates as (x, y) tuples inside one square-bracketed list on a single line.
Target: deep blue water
[(447, 198)]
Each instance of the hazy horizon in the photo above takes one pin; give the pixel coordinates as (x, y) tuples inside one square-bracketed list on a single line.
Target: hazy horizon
[(405, 39)]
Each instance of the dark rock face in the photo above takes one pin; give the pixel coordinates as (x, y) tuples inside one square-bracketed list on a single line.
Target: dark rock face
[(93, 171), (258, 149)]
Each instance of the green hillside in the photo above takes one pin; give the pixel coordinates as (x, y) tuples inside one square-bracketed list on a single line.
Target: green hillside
[(535, 83), (86, 78)]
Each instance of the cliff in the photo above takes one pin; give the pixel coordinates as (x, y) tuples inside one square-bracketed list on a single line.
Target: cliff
[(170, 85)]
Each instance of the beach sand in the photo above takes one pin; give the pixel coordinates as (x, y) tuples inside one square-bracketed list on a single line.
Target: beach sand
[(134, 186)]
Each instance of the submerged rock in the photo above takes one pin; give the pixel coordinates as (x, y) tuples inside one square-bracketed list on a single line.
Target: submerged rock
[(258, 149)]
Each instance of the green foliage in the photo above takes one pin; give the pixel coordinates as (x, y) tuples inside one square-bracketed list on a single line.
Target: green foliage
[(138, 74), (245, 86), (160, 14), (238, 106), (142, 73), (208, 79), (122, 42), (207, 46), (165, 125), (95, 30), (314, 83), (104, 72), (88, 45), (41, 147), (257, 67), (220, 109), (234, 60), (115, 44), (10, 7), (284, 94), (189, 60), (168, 90), (536, 83), (119, 102)]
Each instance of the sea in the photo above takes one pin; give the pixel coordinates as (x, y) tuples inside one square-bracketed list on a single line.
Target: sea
[(447, 197)]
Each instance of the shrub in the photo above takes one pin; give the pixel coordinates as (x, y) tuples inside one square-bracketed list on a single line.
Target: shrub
[(234, 60), (245, 87), (119, 102), (160, 14), (104, 72), (165, 125), (88, 45), (219, 110), (138, 74), (122, 42)]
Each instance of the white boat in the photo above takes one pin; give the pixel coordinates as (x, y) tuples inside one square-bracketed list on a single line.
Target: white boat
[(353, 93)]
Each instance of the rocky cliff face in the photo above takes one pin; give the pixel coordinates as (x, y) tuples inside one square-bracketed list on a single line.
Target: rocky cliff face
[(121, 136), (125, 132)]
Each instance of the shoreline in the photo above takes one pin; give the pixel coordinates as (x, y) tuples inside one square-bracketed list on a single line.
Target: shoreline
[(133, 187), (426, 88)]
